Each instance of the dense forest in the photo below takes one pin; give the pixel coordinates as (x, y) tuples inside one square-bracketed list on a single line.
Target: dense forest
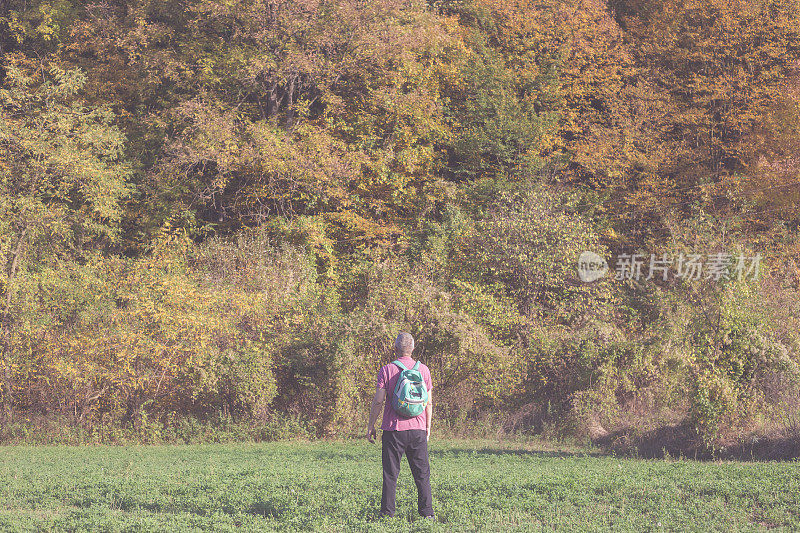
[(227, 209)]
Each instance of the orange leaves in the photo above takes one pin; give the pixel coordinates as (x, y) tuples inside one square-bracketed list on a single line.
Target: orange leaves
[(726, 59)]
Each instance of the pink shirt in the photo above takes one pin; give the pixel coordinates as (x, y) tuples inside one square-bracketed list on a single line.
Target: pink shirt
[(387, 379)]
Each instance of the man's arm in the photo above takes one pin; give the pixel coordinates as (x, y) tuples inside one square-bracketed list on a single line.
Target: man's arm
[(429, 414), (374, 411)]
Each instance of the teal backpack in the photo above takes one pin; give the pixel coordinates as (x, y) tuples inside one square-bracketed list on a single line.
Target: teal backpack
[(410, 394)]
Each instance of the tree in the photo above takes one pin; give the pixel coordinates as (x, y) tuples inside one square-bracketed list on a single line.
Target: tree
[(724, 70), (62, 181)]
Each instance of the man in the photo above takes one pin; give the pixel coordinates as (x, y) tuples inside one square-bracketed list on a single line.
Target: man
[(402, 435)]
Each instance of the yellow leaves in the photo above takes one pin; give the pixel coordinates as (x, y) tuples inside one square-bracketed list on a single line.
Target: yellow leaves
[(47, 28), (360, 228), (207, 65)]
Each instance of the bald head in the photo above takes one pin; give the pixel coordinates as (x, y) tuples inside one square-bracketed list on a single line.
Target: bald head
[(404, 344)]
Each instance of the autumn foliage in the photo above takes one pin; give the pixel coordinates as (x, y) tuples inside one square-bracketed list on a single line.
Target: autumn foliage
[(232, 207)]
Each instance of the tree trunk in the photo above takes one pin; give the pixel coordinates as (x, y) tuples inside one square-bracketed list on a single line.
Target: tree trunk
[(5, 332), (272, 100), (290, 103)]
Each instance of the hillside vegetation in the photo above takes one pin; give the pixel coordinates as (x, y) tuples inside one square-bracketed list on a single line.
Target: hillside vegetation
[(227, 209)]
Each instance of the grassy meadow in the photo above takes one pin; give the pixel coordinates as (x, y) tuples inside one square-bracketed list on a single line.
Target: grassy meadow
[(335, 486)]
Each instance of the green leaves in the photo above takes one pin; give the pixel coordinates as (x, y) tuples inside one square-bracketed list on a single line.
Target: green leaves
[(64, 162)]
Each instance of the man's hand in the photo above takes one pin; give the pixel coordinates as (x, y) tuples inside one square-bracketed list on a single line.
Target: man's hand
[(429, 414), (374, 411)]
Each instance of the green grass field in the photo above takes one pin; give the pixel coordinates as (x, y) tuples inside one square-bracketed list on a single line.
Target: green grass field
[(335, 486)]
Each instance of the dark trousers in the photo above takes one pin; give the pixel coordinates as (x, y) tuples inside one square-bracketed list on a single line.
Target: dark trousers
[(414, 443)]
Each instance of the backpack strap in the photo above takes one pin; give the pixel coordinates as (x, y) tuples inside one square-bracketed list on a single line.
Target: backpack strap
[(401, 365), (416, 366)]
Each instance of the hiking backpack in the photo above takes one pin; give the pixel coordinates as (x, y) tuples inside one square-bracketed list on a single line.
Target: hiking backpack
[(410, 393)]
